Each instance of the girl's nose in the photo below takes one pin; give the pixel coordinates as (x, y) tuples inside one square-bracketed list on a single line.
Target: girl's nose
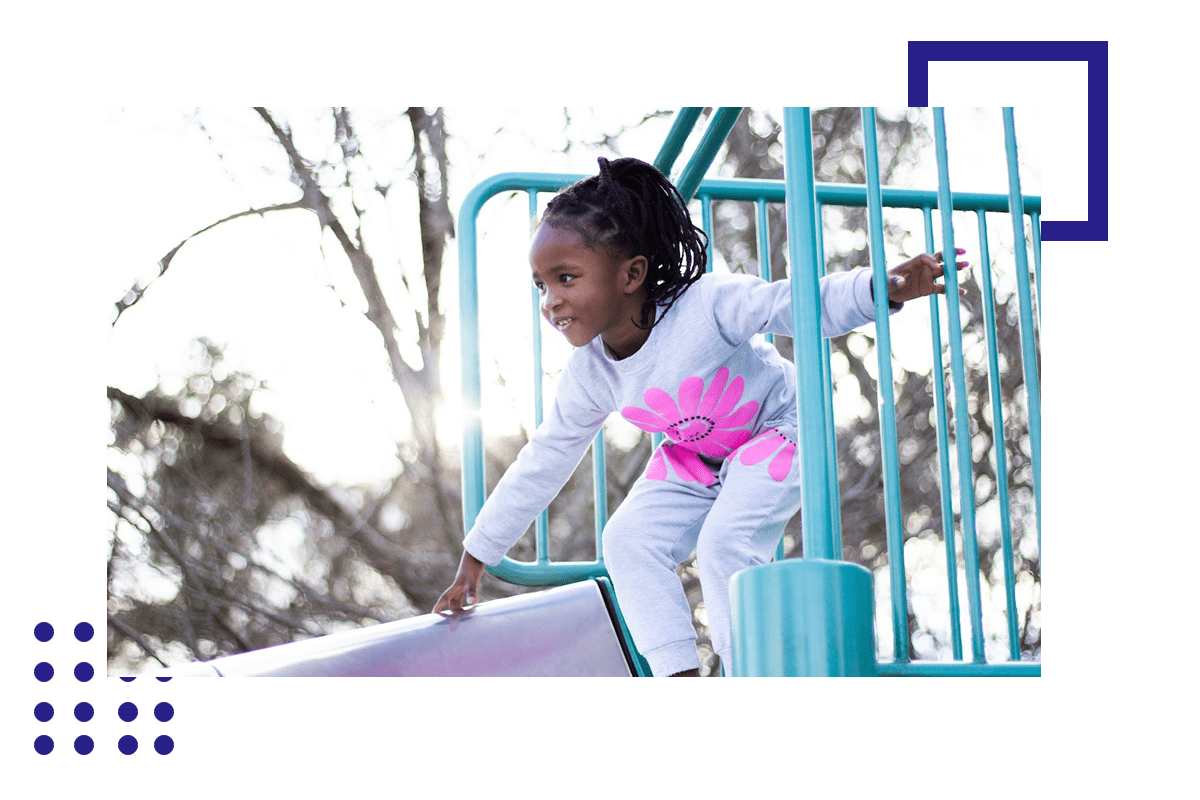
[(549, 301)]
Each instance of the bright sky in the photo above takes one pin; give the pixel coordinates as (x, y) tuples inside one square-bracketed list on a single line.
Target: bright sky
[(259, 286)]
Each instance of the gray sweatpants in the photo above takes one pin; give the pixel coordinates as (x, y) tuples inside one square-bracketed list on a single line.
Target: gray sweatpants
[(733, 524)]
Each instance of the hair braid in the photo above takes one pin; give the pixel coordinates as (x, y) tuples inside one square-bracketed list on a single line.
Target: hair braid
[(632, 209)]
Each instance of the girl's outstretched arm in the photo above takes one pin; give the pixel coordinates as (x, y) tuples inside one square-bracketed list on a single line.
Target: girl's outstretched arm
[(916, 277), (465, 586)]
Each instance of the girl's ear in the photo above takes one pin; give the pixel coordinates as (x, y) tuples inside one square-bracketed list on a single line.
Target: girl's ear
[(633, 274)]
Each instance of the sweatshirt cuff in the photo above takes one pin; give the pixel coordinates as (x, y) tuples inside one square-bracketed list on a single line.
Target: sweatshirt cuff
[(893, 306), (483, 549)]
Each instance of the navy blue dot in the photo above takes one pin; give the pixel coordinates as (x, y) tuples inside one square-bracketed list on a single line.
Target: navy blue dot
[(44, 631), (43, 712), (164, 745), (84, 632), (84, 672), (127, 680), (163, 712), (127, 712), (127, 745), (43, 744), (84, 712), (43, 672), (164, 680), (84, 744)]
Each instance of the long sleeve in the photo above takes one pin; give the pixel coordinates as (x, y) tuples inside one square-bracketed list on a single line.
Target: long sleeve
[(540, 471), (745, 305)]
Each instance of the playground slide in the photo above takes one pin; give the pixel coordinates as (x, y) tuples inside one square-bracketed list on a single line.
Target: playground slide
[(564, 631)]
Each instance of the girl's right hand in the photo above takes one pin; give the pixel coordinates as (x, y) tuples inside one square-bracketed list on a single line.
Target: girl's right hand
[(465, 586)]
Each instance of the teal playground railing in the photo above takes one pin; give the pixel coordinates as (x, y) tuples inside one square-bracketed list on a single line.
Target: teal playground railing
[(776, 635)]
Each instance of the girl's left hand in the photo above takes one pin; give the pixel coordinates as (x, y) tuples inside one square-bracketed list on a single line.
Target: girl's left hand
[(916, 277)]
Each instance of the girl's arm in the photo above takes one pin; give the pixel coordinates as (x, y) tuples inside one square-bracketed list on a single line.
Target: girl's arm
[(535, 478), (744, 305)]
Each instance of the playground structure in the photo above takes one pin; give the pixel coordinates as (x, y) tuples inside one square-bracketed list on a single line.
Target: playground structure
[(807, 616)]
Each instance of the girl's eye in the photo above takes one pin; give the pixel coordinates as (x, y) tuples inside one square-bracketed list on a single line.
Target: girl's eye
[(566, 278)]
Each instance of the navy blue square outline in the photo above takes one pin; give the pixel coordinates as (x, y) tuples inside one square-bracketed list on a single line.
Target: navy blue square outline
[(1095, 227)]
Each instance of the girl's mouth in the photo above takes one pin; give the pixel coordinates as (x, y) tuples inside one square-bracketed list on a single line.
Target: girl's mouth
[(562, 324)]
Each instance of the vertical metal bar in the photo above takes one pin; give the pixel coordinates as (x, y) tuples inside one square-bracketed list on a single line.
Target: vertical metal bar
[(806, 323), (542, 529), (1035, 226), (801, 214), (962, 428), (764, 271), (714, 135), (764, 245), (599, 491), (1006, 547), (834, 503), (681, 128), (468, 302), (887, 406), (1028, 346), (937, 375), (706, 222)]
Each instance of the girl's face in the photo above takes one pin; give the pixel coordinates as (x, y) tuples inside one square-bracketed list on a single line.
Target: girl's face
[(588, 292)]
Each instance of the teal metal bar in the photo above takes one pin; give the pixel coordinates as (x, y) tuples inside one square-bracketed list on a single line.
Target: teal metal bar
[(706, 222), (710, 143), (763, 236), (599, 492), (945, 669), (802, 617), (526, 573), (542, 530), (962, 428), (1035, 226), (764, 246), (887, 406), (845, 194), (937, 376), (806, 327), (834, 501), (1028, 345), (1001, 463), (681, 128)]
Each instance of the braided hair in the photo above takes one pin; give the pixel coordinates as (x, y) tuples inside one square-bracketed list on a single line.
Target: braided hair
[(631, 209)]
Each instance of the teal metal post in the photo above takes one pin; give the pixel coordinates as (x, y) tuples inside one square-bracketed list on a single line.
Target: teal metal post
[(1006, 545), (803, 617), (962, 426), (710, 142), (542, 533), (706, 222), (681, 128), (1028, 347), (801, 211), (887, 394), (764, 272), (937, 375), (810, 616)]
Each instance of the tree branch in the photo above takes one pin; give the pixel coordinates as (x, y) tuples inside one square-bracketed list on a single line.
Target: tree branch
[(137, 290)]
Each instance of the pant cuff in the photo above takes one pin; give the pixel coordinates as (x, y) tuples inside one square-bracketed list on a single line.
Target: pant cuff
[(673, 657)]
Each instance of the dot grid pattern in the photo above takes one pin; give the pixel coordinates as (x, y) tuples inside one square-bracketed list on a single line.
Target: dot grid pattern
[(82, 672)]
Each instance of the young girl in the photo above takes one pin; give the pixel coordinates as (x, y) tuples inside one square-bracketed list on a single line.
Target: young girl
[(621, 271)]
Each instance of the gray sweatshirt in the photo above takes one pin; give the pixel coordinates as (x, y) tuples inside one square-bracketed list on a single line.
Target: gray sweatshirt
[(705, 379)]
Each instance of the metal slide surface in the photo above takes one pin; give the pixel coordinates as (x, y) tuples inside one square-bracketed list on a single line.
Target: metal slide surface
[(565, 631)]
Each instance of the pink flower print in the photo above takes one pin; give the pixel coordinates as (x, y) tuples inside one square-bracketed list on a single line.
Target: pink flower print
[(770, 442), (687, 465), (704, 421)]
